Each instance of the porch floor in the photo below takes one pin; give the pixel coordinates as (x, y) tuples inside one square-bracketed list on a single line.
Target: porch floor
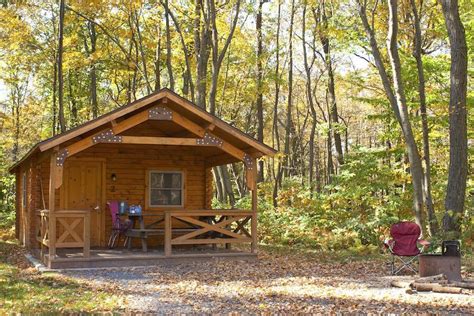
[(72, 258)]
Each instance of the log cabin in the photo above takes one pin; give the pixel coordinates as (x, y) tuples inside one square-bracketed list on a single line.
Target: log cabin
[(156, 154)]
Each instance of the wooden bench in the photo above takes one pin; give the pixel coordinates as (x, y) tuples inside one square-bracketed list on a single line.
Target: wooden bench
[(144, 233)]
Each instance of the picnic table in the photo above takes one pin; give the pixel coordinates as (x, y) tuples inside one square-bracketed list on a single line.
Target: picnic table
[(145, 231), (142, 231)]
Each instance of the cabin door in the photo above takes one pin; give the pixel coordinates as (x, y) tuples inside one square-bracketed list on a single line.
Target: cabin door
[(83, 189)]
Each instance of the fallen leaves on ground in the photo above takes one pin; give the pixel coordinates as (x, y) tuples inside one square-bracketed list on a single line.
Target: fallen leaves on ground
[(24, 290), (274, 283)]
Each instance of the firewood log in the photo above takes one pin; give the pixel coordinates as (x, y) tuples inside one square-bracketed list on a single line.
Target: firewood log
[(432, 279), (431, 287), (400, 284), (462, 284)]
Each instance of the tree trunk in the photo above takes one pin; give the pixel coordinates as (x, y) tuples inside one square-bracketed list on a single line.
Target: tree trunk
[(201, 42), (289, 109), (330, 163), (276, 134), (187, 77), (158, 61), (398, 103), (226, 184), (259, 102), (217, 181), (169, 65), (55, 87), (72, 101), (218, 55), (412, 149), (92, 70), (142, 51), (456, 190), (309, 97), (62, 120), (432, 222), (331, 88)]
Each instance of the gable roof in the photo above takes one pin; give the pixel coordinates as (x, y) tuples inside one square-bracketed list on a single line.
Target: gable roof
[(184, 105)]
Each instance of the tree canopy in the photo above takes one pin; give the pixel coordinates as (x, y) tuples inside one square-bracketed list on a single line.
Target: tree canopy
[(354, 94)]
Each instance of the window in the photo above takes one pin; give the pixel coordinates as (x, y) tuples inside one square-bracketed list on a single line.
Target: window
[(23, 192), (166, 188)]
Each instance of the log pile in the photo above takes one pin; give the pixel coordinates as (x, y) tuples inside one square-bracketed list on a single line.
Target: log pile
[(436, 283)]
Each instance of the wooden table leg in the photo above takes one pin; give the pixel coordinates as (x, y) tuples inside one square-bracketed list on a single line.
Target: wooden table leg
[(144, 243), (144, 236)]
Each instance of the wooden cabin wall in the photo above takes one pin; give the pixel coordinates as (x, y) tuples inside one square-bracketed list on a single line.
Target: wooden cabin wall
[(18, 221), (130, 164), (25, 212)]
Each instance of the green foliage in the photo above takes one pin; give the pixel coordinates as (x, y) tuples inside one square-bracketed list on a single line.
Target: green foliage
[(356, 210)]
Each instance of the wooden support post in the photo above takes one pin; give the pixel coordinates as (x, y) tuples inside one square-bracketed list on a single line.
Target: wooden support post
[(87, 235), (168, 231), (51, 206), (253, 186)]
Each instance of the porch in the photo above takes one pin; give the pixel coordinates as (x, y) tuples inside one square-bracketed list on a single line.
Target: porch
[(180, 235)]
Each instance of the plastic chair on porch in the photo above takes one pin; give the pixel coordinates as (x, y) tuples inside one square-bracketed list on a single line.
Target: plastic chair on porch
[(404, 246), (119, 228)]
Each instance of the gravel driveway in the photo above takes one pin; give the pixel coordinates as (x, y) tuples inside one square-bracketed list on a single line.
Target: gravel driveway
[(274, 283)]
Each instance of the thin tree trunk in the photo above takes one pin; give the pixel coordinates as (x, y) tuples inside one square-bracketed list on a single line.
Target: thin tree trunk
[(93, 69), (412, 149), (309, 97), (226, 184), (318, 165), (238, 181), (72, 101), (158, 60), (62, 120), (432, 222), (187, 76), (330, 163), (276, 135), (259, 102), (217, 181), (398, 104), (201, 42), (55, 87), (16, 113), (218, 55), (333, 114), (456, 189), (169, 65), (289, 109), (142, 52)]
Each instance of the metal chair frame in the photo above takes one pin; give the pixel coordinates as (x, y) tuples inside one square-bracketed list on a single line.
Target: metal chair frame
[(405, 263)]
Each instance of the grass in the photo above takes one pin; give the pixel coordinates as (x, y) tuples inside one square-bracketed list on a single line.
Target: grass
[(24, 290)]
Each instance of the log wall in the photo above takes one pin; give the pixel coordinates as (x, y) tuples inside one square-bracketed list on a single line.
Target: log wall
[(130, 164)]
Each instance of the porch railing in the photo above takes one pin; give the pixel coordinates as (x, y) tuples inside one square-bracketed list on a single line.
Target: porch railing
[(65, 229), (211, 227)]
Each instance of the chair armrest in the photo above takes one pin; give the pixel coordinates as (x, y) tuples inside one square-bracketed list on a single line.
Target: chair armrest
[(389, 243), (424, 244)]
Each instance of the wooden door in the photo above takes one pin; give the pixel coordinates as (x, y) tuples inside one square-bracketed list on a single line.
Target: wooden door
[(83, 189)]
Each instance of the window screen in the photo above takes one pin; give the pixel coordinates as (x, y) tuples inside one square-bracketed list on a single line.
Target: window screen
[(166, 188)]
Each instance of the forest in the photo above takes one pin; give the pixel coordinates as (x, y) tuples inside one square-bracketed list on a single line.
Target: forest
[(369, 103)]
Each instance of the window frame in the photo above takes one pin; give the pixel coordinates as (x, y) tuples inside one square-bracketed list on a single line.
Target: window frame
[(149, 188)]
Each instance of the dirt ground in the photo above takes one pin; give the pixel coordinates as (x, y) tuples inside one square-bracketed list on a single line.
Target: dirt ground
[(276, 283)]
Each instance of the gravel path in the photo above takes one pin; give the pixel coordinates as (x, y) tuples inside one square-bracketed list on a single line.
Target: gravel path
[(287, 284)]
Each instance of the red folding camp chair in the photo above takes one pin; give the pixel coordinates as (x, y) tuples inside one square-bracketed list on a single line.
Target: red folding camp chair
[(119, 228), (404, 246)]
